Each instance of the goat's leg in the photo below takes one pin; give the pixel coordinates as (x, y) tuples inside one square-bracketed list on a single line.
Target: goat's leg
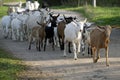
[(45, 44), (53, 45), (89, 50), (74, 50), (60, 43), (82, 47), (62, 46), (106, 54), (94, 54), (39, 45), (21, 35), (13, 34), (36, 42), (78, 47), (98, 55), (30, 42), (69, 44), (65, 48)]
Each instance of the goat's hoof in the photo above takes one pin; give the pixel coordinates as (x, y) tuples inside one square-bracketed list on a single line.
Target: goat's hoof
[(64, 55), (107, 65), (75, 58), (98, 57), (83, 54), (70, 51), (39, 50), (95, 61)]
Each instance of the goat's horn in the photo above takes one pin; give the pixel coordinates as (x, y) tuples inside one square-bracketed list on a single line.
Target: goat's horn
[(58, 15), (38, 23), (63, 15), (85, 20)]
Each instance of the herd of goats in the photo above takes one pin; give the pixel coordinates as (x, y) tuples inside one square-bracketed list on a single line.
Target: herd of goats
[(43, 27)]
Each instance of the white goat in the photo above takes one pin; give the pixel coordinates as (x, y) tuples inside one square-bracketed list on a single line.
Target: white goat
[(6, 21), (18, 27), (36, 5), (73, 33), (32, 6), (40, 17)]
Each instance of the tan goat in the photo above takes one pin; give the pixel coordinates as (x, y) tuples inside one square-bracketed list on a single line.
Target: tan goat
[(38, 33), (99, 38)]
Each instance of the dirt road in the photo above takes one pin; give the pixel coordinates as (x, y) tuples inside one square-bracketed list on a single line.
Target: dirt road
[(51, 65)]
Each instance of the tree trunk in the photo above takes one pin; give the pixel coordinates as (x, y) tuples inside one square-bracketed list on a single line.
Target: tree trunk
[(94, 3), (78, 3)]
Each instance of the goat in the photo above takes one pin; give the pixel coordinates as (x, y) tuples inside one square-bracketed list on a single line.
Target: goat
[(99, 38), (38, 33), (6, 26), (60, 30), (54, 25), (33, 18), (73, 34), (49, 31), (36, 5), (88, 27)]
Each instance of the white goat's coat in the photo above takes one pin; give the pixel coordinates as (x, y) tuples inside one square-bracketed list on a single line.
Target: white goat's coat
[(36, 5), (18, 27), (73, 34), (33, 18), (17, 32), (32, 6), (6, 27)]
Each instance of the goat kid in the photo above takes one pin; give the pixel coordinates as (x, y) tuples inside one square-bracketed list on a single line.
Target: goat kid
[(73, 34)]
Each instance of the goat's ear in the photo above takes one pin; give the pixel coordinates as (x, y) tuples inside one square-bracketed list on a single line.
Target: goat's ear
[(39, 10), (85, 20), (58, 15), (51, 15), (75, 18), (64, 16)]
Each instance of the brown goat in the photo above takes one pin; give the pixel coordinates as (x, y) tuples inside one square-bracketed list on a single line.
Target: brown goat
[(60, 31), (38, 32), (99, 38)]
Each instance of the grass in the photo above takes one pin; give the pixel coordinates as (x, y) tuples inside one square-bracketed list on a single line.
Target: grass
[(3, 11), (9, 66), (7, 1), (104, 15), (100, 15)]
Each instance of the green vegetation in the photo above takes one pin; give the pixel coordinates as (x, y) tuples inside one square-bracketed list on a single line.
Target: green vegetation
[(3, 11), (9, 66), (7, 1), (104, 15), (100, 15)]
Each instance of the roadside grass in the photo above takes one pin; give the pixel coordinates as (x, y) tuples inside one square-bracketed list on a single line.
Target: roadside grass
[(3, 11), (99, 15), (104, 15), (9, 66), (7, 1)]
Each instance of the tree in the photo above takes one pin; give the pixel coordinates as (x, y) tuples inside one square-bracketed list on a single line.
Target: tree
[(94, 3)]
